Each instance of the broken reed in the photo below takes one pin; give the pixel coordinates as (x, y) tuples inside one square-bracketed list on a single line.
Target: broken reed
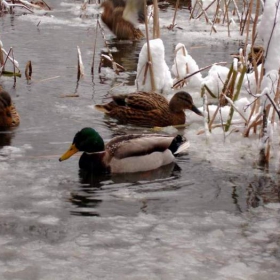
[(3, 62)]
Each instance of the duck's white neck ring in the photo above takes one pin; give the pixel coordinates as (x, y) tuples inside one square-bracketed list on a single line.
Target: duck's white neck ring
[(93, 153)]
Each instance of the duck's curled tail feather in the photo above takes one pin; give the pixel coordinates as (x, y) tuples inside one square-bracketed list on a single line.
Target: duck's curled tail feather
[(106, 108)]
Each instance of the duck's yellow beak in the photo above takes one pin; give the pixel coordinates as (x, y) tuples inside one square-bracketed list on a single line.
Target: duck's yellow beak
[(72, 150)]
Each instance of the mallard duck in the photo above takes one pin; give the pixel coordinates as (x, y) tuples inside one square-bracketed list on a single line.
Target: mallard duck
[(8, 114), (112, 16), (124, 154), (149, 109)]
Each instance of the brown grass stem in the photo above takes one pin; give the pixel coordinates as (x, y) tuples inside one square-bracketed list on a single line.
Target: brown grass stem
[(28, 70), (235, 97), (156, 29), (149, 56)]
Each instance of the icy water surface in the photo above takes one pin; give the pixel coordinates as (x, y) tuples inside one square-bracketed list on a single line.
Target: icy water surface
[(209, 216)]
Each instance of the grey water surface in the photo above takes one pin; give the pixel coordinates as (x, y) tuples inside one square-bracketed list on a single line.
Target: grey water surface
[(188, 220)]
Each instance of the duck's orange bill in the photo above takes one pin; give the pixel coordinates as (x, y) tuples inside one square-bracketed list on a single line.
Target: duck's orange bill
[(72, 150)]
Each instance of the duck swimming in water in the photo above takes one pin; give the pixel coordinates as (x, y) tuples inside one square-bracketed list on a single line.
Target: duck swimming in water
[(149, 109), (121, 17), (126, 153), (112, 16), (8, 113)]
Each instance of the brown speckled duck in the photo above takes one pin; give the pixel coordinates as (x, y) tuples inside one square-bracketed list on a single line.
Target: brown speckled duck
[(119, 15), (8, 113), (149, 109), (126, 153)]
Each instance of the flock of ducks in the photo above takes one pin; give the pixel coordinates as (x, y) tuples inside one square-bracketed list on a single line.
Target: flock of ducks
[(128, 153)]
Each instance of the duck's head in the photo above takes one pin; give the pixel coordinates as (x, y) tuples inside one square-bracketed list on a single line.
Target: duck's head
[(87, 140), (5, 98), (182, 100)]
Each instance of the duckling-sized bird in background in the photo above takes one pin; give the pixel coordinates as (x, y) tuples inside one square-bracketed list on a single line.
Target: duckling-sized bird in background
[(149, 109), (8, 114), (124, 154)]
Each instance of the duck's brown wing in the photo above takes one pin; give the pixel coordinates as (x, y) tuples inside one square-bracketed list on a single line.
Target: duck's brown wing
[(137, 145), (6, 119), (139, 108), (145, 101)]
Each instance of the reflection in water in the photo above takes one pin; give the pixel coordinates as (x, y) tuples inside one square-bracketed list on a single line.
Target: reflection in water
[(87, 198), (235, 199), (92, 180), (126, 56), (263, 190), (6, 136), (164, 172)]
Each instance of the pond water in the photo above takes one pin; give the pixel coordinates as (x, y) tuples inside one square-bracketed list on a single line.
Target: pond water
[(212, 215)]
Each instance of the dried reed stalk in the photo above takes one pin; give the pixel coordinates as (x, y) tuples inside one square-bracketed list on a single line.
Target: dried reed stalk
[(210, 92), (214, 117), (248, 22), (237, 10), (172, 25), (10, 58), (226, 13), (207, 17), (235, 97), (156, 29), (222, 125), (226, 86), (273, 27), (81, 71), (244, 19), (254, 32), (28, 70), (149, 64), (14, 68), (205, 112), (46, 4), (2, 65), (203, 10), (216, 15), (13, 5), (193, 9), (276, 98), (94, 49), (108, 58)]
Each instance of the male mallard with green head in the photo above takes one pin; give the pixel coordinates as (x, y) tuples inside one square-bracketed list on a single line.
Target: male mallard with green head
[(8, 114), (124, 154), (149, 109)]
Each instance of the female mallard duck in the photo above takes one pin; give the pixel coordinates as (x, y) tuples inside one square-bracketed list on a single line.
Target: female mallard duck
[(149, 109), (124, 154), (123, 28), (8, 114)]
